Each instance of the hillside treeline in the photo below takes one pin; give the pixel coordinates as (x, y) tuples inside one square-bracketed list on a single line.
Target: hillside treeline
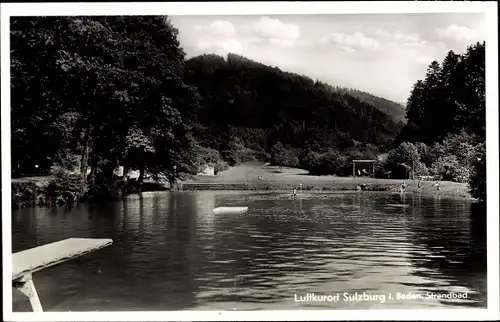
[(247, 108), (392, 109)]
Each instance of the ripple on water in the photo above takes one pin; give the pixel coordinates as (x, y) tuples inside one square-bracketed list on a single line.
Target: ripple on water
[(171, 252)]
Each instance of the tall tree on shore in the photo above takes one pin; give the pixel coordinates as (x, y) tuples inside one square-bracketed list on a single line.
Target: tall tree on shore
[(120, 77), (36, 101), (450, 99), (473, 107), (450, 103), (414, 112), (451, 85), (431, 102)]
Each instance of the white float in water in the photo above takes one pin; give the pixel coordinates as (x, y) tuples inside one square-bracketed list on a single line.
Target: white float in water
[(230, 210), (398, 205)]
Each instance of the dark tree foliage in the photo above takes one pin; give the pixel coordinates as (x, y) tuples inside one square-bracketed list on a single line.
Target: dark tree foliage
[(450, 99), (477, 180), (283, 156), (35, 103), (105, 91), (395, 110)]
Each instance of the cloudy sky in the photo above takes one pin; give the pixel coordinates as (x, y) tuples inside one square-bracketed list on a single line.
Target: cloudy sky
[(379, 53)]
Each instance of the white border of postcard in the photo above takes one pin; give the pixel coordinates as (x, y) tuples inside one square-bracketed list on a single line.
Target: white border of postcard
[(265, 8)]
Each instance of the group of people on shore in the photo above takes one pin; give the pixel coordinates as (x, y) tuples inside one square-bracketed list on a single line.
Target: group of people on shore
[(419, 186), (402, 189)]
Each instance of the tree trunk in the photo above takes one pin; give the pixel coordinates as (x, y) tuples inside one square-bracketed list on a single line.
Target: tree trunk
[(93, 168), (126, 171), (140, 179), (16, 166), (85, 159), (85, 154), (173, 184), (110, 174)]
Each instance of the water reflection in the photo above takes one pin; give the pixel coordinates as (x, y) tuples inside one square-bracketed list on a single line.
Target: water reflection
[(456, 250), (171, 252)]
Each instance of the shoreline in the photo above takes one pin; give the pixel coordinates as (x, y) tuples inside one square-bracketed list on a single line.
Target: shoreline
[(26, 192), (300, 194), (284, 187)]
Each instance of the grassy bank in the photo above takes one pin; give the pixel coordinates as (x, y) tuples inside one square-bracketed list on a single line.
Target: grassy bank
[(265, 177)]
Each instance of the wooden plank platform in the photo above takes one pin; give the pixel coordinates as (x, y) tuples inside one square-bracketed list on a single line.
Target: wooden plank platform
[(230, 210), (38, 258)]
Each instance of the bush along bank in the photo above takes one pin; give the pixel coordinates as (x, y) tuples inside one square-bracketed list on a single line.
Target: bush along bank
[(64, 188)]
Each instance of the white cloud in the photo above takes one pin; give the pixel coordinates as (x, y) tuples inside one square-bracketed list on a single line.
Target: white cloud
[(347, 49), (281, 42), (271, 32), (217, 27), (277, 42), (272, 28), (383, 34), (350, 43), (411, 40), (407, 47), (232, 45), (424, 59), (455, 32), (220, 47)]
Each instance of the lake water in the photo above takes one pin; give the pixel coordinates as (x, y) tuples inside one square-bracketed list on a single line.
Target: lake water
[(170, 252)]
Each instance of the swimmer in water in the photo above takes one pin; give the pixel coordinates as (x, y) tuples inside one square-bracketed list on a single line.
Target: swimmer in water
[(402, 188)]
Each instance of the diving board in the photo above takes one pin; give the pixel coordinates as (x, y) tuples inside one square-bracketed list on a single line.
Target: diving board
[(230, 210), (25, 263)]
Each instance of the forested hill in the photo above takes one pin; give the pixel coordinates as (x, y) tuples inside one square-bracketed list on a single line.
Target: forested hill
[(396, 110), (259, 105)]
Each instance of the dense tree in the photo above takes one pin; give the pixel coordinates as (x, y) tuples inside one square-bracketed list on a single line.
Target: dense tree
[(472, 116), (451, 159), (403, 161), (477, 180), (35, 100), (108, 89), (450, 99), (283, 156)]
